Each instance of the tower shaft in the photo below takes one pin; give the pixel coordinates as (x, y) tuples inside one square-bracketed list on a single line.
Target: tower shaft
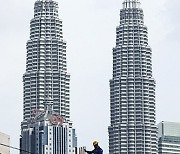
[(46, 126), (132, 88), (46, 76)]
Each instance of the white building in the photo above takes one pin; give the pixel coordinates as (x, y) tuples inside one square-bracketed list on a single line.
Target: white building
[(132, 88), (169, 137), (4, 143), (46, 79), (47, 133)]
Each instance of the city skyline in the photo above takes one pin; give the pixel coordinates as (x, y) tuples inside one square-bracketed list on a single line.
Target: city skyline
[(158, 14)]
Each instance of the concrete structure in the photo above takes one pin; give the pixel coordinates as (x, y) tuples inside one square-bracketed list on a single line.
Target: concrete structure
[(132, 88), (4, 140), (169, 137), (47, 133), (46, 81)]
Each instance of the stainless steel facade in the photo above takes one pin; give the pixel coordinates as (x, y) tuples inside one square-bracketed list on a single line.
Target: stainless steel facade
[(132, 88), (46, 74), (45, 82)]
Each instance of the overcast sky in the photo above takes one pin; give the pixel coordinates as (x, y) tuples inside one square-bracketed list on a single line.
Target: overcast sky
[(89, 29)]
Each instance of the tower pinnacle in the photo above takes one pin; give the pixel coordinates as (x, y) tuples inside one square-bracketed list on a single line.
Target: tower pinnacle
[(131, 4)]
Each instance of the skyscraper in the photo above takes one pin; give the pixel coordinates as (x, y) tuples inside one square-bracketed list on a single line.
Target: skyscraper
[(46, 84), (132, 87), (168, 137), (46, 74)]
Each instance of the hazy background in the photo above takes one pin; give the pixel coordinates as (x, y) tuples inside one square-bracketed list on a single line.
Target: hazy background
[(89, 29)]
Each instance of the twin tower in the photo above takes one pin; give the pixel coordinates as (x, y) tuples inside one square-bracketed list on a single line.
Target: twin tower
[(46, 126)]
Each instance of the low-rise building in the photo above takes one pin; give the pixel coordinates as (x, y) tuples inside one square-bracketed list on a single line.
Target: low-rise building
[(4, 143), (169, 138)]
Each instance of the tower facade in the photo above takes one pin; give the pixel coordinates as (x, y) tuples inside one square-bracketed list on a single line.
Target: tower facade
[(132, 87), (46, 80), (46, 74)]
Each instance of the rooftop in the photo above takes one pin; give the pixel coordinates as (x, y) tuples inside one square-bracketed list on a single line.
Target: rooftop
[(131, 4)]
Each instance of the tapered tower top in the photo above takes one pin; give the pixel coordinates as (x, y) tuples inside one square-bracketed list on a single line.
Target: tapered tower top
[(131, 4)]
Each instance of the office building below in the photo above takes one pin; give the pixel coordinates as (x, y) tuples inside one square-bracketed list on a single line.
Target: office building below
[(169, 137)]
